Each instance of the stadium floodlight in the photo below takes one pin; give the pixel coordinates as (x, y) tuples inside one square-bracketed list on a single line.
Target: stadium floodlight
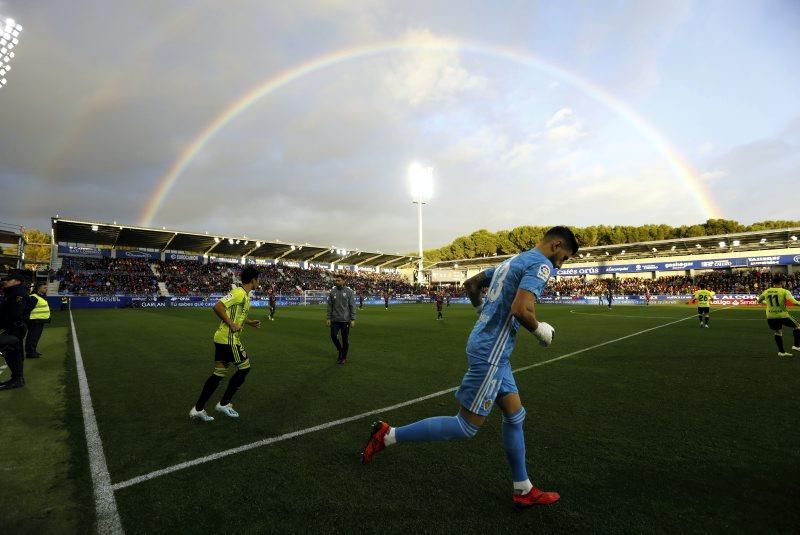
[(9, 34), (736, 243), (722, 244), (622, 252), (95, 228), (421, 179), (699, 246), (606, 253), (230, 241), (793, 238), (673, 248), (588, 255), (655, 250), (763, 241)]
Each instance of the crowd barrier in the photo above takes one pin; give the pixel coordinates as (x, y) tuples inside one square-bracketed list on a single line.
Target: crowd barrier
[(127, 301)]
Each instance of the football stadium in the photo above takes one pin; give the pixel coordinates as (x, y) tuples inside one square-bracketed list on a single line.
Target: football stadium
[(619, 353)]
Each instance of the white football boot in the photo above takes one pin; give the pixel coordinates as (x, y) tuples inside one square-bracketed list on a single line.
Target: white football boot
[(227, 410), (203, 416)]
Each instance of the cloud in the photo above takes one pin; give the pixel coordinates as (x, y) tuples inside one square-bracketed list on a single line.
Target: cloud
[(705, 149), (710, 176), (434, 74), (559, 117)]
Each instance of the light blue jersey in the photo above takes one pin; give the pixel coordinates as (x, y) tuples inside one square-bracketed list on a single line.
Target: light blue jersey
[(492, 339)]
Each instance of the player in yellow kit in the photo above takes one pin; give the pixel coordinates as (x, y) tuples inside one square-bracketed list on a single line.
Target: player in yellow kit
[(232, 310), (776, 297), (703, 299)]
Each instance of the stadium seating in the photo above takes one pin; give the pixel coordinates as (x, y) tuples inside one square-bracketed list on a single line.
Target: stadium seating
[(750, 281), (105, 276)]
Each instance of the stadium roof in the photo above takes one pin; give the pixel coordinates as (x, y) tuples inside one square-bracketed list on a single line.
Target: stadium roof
[(745, 242), (112, 235)]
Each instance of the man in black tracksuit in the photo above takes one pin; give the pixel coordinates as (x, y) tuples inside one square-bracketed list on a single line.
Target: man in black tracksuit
[(13, 317), (341, 316)]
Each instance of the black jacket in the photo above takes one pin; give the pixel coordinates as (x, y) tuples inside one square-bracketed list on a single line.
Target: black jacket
[(15, 310)]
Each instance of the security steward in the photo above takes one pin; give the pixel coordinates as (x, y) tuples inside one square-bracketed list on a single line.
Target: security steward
[(14, 314), (40, 315)]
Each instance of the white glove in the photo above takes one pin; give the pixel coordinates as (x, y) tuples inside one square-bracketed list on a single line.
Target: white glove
[(545, 333)]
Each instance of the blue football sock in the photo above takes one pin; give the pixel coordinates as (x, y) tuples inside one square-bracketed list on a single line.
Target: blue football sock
[(514, 441), (436, 428)]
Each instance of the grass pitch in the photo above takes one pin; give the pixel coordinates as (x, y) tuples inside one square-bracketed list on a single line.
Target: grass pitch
[(675, 429)]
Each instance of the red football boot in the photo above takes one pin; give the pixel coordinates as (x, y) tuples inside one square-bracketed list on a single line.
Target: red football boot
[(375, 442), (535, 497)]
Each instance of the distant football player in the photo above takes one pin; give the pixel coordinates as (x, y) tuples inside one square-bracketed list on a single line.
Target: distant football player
[(361, 299), (776, 297), (703, 298), (232, 311), (609, 297), (272, 304), (439, 300), (386, 295), (514, 287)]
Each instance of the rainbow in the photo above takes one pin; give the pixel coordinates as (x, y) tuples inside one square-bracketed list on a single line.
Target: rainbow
[(680, 167)]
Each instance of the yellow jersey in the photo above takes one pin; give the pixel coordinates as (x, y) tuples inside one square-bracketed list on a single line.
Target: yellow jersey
[(703, 298), (776, 299), (237, 305)]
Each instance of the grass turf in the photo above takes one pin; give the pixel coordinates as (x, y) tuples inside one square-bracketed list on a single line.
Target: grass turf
[(677, 429), (45, 485)]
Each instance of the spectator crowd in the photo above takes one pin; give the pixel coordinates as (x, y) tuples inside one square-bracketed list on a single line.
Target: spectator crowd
[(106, 276), (751, 281)]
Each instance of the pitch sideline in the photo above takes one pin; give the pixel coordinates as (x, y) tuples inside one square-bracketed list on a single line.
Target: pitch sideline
[(108, 520)]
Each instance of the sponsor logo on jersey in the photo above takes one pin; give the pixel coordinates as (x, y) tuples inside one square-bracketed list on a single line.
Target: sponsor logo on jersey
[(544, 272)]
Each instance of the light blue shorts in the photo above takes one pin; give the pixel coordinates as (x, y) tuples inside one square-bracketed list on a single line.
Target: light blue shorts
[(483, 384)]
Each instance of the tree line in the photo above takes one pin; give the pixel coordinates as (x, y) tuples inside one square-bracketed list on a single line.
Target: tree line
[(484, 243)]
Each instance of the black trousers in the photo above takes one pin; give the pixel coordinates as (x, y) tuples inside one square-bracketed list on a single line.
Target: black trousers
[(344, 328), (13, 352), (35, 329)]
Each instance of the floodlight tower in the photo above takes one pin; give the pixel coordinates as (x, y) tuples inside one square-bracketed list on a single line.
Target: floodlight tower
[(421, 179), (9, 38)]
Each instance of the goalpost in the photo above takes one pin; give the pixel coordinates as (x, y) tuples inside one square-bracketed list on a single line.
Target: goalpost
[(315, 297)]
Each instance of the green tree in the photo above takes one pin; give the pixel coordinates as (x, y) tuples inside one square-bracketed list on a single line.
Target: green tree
[(485, 243), (37, 248)]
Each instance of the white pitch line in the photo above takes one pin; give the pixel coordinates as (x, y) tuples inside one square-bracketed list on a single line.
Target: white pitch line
[(605, 315), (108, 520), (328, 425)]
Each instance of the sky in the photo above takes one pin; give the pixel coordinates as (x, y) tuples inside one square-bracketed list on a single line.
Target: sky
[(529, 113)]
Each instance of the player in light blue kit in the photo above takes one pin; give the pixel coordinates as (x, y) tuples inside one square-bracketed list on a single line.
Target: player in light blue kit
[(513, 286)]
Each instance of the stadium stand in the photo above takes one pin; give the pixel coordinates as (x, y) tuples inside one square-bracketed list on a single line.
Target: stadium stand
[(171, 266)]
